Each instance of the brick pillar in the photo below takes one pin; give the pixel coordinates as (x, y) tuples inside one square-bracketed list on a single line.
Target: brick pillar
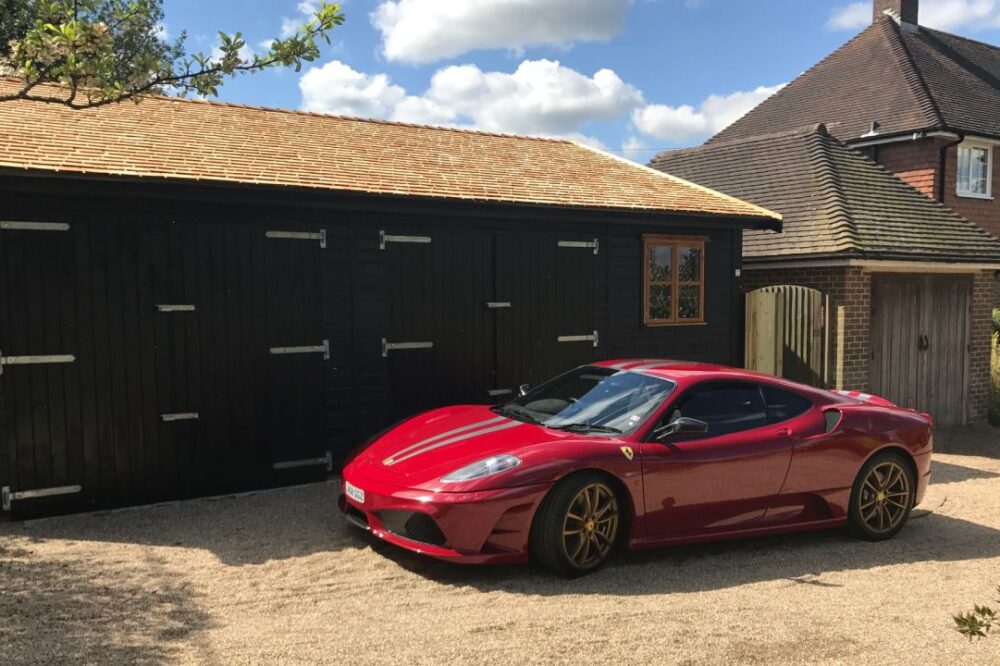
[(985, 297)]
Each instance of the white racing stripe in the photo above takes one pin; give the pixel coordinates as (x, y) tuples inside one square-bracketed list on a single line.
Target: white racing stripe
[(461, 438), (442, 435)]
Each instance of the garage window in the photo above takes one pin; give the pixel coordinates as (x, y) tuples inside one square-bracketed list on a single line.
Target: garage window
[(674, 284)]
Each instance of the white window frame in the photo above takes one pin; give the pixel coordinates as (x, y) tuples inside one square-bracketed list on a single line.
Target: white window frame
[(968, 194)]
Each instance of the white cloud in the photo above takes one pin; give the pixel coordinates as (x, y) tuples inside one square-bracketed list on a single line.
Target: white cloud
[(307, 10), (854, 16), (423, 31), (336, 88), (541, 97), (682, 124), (940, 14), (637, 150), (951, 14)]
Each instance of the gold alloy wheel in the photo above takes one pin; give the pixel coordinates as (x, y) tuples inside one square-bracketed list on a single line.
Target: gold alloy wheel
[(591, 525), (885, 497)]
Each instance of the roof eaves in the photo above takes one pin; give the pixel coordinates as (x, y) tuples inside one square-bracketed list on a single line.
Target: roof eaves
[(753, 210)]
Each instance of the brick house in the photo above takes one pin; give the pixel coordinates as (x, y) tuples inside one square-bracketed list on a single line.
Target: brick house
[(887, 206), (898, 269), (910, 274), (920, 102)]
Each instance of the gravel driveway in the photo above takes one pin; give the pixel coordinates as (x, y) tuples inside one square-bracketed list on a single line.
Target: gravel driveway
[(278, 577)]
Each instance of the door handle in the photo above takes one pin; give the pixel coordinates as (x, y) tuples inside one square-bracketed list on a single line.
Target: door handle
[(784, 432)]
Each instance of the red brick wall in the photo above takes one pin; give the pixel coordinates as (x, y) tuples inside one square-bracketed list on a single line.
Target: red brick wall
[(984, 212), (916, 162), (985, 297), (849, 289)]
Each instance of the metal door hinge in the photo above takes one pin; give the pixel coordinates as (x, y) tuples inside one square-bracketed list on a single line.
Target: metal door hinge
[(499, 305), (34, 360), (180, 416), (400, 346), (326, 460), (176, 308), (6, 496), (34, 226), (595, 338), (384, 238), (595, 244), (300, 235), (323, 349)]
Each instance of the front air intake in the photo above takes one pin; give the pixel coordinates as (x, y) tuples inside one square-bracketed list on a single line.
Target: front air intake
[(831, 418)]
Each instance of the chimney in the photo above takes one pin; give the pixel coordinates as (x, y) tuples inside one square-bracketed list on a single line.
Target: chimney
[(904, 11)]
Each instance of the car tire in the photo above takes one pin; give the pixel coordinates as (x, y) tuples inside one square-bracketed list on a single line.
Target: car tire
[(577, 525), (882, 497)]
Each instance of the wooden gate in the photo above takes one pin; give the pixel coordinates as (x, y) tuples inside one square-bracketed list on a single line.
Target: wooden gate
[(920, 338), (786, 333)]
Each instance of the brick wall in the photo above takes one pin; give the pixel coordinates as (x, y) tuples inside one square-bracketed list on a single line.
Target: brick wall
[(916, 162), (984, 212), (849, 355), (985, 297), (849, 292)]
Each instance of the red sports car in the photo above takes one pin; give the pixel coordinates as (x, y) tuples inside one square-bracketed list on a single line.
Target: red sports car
[(640, 453)]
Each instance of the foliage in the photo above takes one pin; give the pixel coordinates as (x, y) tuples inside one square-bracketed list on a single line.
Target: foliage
[(106, 51), (979, 622)]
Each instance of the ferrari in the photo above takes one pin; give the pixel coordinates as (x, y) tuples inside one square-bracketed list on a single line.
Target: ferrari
[(638, 454)]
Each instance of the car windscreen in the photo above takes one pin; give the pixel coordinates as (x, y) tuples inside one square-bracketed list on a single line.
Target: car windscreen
[(592, 400)]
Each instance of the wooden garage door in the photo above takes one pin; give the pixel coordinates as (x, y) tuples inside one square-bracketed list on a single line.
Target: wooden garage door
[(920, 340), (548, 328), (473, 316), (439, 343)]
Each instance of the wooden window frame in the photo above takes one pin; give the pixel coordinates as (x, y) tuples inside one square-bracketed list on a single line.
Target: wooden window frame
[(651, 241)]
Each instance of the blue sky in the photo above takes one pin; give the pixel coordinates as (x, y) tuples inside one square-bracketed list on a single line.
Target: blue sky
[(631, 76)]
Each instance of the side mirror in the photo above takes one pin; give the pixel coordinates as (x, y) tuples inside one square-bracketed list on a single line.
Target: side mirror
[(523, 389), (682, 426)]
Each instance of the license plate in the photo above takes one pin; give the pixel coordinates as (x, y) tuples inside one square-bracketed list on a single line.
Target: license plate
[(354, 493)]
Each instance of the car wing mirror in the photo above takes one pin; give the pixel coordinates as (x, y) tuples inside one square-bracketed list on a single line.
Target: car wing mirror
[(523, 389), (682, 426)]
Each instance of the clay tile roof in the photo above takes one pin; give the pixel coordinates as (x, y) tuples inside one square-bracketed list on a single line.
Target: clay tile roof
[(835, 201), (906, 78), (169, 138)]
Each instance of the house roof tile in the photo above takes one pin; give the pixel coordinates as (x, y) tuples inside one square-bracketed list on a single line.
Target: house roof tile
[(170, 138), (905, 78), (835, 201)]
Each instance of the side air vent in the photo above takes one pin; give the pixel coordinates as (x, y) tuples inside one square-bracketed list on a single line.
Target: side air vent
[(832, 419)]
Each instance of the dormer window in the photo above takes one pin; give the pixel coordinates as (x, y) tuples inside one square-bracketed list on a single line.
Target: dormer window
[(975, 170)]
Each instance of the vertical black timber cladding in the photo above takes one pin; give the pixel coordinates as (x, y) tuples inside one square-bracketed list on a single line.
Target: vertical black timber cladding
[(97, 422), (627, 336)]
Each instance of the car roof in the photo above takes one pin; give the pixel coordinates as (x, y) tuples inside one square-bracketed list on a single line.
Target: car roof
[(678, 370)]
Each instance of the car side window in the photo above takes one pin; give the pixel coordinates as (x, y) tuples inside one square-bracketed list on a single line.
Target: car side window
[(783, 405), (725, 407)]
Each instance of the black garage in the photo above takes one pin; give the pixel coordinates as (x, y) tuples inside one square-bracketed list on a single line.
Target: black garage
[(199, 298)]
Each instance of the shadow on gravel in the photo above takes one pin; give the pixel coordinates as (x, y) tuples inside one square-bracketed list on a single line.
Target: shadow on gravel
[(67, 612), (942, 472), (977, 440), (801, 558), (245, 529)]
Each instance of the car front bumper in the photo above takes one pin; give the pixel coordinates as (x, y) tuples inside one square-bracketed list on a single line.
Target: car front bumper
[(486, 527)]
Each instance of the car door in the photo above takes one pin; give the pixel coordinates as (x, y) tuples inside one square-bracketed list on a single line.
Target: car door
[(721, 480)]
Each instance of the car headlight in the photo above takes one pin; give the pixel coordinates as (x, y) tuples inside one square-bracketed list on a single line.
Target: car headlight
[(483, 468)]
